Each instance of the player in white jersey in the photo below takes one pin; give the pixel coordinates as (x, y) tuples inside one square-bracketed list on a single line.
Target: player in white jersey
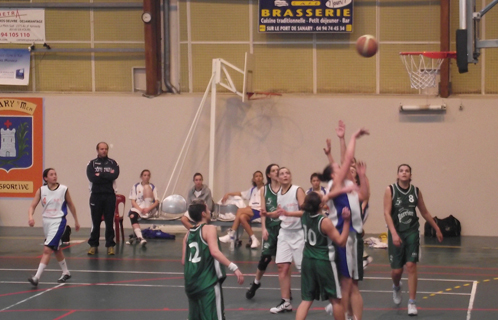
[(144, 203), (247, 214), (290, 243), (55, 200), (343, 192)]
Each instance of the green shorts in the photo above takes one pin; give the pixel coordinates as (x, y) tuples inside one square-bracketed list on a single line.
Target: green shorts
[(270, 245), (207, 305), (318, 280), (407, 252)]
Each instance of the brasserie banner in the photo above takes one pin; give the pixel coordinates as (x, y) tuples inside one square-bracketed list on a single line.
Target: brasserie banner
[(286, 16)]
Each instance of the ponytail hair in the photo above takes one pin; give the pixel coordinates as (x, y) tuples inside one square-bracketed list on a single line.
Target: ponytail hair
[(326, 174), (312, 203)]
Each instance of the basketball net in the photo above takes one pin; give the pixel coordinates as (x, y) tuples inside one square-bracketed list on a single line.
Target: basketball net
[(423, 67)]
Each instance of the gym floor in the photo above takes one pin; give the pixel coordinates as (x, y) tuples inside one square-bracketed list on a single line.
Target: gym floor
[(458, 279)]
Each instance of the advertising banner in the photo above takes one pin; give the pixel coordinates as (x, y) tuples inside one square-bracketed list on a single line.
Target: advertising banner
[(22, 26), (288, 16), (14, 66)]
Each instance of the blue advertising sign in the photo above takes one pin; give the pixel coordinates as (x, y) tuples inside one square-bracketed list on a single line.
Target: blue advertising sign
[(14, 66), (288, 16)]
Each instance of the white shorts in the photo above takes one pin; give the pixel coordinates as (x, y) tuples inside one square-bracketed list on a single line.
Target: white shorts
[(53, 228), (290, 246)]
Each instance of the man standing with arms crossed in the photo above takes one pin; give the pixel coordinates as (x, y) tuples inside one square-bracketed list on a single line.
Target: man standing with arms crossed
[(102, 173)]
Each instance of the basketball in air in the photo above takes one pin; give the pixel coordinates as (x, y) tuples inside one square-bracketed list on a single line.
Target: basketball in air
[(366, 46)]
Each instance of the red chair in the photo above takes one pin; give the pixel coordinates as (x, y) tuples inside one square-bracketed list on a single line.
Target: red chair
[(118, 217)]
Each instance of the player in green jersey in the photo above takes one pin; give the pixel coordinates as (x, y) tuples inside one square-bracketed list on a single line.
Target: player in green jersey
[(319, 277), (203, 260), (400, 201), (270, 226)]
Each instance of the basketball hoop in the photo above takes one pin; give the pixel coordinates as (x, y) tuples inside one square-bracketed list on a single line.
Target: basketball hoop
[(261, 95), (423, 66)]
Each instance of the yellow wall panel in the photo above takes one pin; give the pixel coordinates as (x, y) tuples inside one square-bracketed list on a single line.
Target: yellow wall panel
[(113, 70), (184, 79), (118, 25), (341, 69), (409, 20), (67, 25), (57, 1), (63, 72), (283, 68), (491, 71), (222, 20), (182, 16)]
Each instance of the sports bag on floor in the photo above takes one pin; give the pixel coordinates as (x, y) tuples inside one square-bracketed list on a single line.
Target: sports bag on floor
[(450, 227)]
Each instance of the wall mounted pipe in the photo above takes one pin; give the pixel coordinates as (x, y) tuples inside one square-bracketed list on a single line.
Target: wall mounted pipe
[(167, 49), (73, 5)]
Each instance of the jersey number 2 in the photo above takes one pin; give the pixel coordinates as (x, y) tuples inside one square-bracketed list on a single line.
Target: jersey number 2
[(196, 257)]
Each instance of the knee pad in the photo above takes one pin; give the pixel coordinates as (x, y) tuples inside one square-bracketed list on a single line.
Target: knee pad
[(134, 218), (264, 262)]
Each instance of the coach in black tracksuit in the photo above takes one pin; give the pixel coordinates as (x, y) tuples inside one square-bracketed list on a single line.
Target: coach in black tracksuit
[(102, 173)]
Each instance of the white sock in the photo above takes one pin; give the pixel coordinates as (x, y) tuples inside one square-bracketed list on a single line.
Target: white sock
[(287, 300), (254, 239), (39, 272), (138, 232), (63, 265), (256, 281)]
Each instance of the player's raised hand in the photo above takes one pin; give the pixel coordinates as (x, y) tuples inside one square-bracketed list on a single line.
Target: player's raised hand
[(341, 129), (361, 132), (361, 168), (326, 150)]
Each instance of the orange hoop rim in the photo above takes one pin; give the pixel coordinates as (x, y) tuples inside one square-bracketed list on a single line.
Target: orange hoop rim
[(431, 54)]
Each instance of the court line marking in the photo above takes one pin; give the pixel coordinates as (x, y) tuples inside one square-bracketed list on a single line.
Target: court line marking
[(36, 295), (74, 284), (245, 274), (471, 300)]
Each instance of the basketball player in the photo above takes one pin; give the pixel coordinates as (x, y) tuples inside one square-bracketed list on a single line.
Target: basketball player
[(201, 257), (270, 226), (247, 214), (400, 200), (55, 200), (345, 193), (319, 278), (144, 203), (290, 241)]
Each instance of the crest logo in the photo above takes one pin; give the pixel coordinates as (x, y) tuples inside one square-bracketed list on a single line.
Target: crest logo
[(16, 142)]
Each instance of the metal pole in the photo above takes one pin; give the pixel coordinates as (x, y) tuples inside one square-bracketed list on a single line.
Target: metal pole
[(167, 49), (463, 14), (88, 50), (73, 5), (212, 129)]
